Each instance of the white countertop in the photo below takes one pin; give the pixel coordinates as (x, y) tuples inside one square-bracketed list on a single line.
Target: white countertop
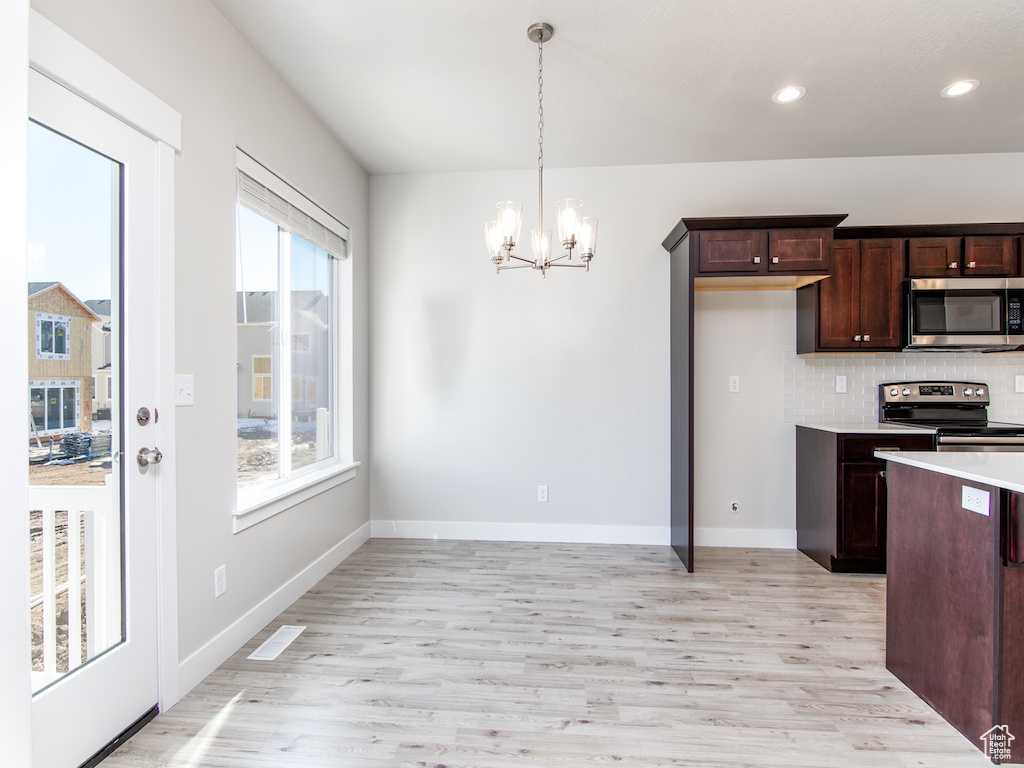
[(865, 428), (1004, 470)]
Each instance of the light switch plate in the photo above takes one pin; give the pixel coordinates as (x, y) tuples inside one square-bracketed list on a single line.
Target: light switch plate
[(975, 500)]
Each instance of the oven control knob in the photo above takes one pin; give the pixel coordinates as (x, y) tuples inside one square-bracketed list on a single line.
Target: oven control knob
[(969, 391), (894, 392), (906, 392), (981, 391)]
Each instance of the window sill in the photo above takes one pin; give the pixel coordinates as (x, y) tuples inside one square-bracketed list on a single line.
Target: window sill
[(288, 494)]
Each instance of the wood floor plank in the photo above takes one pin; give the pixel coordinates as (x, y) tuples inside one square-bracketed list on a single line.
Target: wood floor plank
[(486, 655)]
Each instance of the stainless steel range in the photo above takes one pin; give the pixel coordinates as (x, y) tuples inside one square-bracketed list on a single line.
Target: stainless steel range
[(956, 410)]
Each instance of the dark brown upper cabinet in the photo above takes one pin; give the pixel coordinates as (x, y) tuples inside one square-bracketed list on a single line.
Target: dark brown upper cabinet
[(765, 251), (733, 250), (858, 308), (991, 255), (977, 255)]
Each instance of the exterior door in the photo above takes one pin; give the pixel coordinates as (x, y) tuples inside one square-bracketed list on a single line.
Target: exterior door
[(92, 349)]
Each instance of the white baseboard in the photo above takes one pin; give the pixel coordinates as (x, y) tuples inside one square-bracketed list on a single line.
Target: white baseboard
[(747, 538), (196, 667), (566, 534)]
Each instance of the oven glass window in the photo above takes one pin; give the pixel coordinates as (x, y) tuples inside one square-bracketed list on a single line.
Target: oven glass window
[(947, 312)]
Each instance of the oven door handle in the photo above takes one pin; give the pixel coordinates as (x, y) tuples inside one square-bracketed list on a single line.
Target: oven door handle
[(964, 440)]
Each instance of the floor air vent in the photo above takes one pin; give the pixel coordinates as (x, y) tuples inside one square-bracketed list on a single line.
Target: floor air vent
[(276, 643)]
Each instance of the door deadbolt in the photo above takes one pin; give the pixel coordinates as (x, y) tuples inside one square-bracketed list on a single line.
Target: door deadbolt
[(143, 416)]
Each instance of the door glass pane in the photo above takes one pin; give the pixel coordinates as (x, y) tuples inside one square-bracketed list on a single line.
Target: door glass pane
[(75, 510), (258, 346), (311, 332)]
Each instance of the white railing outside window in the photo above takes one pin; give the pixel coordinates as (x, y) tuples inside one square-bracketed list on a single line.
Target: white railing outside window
[(93, 519)]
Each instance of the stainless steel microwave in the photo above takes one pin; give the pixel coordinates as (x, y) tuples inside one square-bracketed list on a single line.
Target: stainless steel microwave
[(965, 313)]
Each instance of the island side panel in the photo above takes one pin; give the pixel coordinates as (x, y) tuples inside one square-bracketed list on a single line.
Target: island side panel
[(941, 596), (1011, 663), (816, 494)]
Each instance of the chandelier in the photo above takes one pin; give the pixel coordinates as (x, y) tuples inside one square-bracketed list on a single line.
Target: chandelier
[(576, 232)]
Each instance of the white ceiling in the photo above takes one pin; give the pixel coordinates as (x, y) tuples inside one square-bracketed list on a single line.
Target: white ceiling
[(450, 85)]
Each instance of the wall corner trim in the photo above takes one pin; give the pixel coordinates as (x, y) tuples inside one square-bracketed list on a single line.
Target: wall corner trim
[(202, 662)]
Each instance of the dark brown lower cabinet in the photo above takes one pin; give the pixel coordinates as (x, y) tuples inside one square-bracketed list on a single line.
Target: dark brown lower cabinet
[(841, 497), (955, 602)]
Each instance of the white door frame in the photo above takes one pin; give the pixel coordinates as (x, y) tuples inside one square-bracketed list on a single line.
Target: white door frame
[(15, 644), (60, 57)]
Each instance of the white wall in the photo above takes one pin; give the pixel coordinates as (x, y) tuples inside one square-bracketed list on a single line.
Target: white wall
[(486, 386), (186, 54)]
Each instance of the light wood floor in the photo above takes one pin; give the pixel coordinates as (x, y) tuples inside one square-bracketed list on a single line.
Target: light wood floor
[(459, 654)]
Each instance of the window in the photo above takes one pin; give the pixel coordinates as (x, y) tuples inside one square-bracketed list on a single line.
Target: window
[(53, 337), (262, 375), (290, 267), (54, 406)]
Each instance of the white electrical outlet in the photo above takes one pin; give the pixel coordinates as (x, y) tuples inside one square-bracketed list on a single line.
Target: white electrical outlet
[(183, 389), (542, 493), (976, 500), (1018, 383), (220, 581), (840, 385), (734, 383)]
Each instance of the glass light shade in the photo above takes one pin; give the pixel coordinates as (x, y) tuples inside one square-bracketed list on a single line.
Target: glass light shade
[(541, 240), (510, 221), (569, 212), (493, 239), (587, 238)]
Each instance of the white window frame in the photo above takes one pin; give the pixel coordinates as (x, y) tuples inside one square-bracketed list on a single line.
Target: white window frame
[(59, 385), (258, 503), (42, 317)]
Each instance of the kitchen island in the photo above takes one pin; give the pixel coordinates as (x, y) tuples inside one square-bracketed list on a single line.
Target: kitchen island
[(955, 588)]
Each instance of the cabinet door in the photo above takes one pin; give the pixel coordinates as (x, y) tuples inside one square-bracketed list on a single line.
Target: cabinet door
[(838, 309), (740, 250), (862, 508), (881, 293), (990, 256), (933, 256), (800, 250)]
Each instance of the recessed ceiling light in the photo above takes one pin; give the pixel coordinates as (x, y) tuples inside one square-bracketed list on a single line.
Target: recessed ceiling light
[(959, 88), (788, 94)]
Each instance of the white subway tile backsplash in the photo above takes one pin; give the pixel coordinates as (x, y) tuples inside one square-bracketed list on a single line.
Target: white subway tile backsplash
[(810, 381)]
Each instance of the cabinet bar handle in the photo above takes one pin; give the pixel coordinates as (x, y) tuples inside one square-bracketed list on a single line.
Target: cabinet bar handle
[(1015, 534)]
